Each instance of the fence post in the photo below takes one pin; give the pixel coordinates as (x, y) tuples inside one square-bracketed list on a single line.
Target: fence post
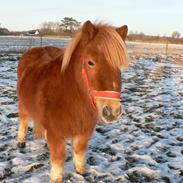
[(166, 49), (30, 41), (41, 38)]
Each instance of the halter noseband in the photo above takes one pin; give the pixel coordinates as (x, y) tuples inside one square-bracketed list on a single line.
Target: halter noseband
[(110, 95)]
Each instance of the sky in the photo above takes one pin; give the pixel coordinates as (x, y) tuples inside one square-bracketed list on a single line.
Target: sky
[(153, 17)]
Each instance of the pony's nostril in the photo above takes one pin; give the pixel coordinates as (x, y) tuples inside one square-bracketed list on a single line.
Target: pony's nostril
[(106, 111)]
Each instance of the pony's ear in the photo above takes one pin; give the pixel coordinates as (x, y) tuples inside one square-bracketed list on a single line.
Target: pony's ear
[(123, 31), (88, 32)]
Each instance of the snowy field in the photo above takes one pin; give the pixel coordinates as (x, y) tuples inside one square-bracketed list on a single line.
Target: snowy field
[(146, 145)]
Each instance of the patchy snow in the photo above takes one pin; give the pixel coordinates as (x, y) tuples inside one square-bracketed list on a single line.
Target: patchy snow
[(146, 145)]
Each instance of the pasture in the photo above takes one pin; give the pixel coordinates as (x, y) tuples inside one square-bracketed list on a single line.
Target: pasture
[(146, 145)]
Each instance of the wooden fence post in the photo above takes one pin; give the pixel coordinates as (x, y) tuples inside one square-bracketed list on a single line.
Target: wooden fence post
[(166, 49)]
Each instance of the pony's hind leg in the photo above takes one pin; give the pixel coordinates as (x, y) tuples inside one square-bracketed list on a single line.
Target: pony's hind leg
[(23, 126), (80, 144)]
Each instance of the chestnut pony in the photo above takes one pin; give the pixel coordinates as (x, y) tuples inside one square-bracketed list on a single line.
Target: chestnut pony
[(65, 92)]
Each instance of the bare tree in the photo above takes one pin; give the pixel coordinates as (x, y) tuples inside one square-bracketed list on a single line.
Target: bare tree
[(50, 28), (131, 32), (176, 34)]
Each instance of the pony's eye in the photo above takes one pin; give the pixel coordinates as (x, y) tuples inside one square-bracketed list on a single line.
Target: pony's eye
[(91, 64)]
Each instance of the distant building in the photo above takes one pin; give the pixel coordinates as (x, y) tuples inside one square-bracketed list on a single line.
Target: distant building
[(32, 33)]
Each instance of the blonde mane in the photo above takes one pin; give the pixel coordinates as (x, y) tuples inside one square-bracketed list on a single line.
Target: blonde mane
[(111, 42), (70, 49)]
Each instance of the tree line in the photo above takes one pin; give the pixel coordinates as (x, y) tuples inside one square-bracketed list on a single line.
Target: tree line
[(68, 26), (175, 38)]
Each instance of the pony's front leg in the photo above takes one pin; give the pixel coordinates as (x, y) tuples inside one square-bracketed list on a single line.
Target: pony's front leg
[(80, 144), (57, 156)]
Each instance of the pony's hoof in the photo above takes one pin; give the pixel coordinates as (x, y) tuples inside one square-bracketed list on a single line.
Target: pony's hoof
[(56, 181), (81, 171), (21, 145), (84, 174)]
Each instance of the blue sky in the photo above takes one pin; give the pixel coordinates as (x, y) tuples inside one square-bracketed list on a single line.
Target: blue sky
[(155, 17)]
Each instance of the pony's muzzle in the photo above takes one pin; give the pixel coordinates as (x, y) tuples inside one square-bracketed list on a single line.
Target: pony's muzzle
[(111, 113)]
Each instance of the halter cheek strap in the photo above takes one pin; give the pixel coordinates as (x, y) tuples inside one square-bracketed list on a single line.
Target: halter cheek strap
[(85, 77), (109, 95)]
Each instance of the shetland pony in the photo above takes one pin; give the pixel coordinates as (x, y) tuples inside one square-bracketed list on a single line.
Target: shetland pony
[(65, 92)]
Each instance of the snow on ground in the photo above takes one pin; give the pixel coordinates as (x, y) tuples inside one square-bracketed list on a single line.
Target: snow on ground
[(146, 145)]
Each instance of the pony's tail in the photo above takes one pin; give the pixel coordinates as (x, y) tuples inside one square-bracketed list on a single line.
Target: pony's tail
[(38, 131)]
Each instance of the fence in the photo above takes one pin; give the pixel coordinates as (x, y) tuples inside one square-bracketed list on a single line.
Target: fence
[(19, 44)]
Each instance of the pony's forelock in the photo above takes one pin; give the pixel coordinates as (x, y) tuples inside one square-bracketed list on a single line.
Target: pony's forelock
[(113, 47)]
